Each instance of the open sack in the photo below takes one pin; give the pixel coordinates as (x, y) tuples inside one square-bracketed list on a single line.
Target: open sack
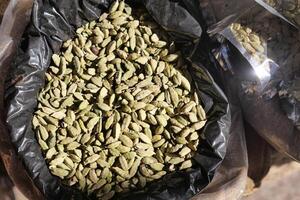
[(53, 22)]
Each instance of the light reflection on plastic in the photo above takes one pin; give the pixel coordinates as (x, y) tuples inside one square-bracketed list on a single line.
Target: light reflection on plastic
[(263, 70)]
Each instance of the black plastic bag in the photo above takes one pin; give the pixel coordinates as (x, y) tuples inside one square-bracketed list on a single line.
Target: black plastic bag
[(14, 21), (53, 22), (231, 177)]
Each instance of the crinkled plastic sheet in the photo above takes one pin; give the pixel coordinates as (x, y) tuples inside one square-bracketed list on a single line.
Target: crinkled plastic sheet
[(13, 23), (231, 177), (53, 22)]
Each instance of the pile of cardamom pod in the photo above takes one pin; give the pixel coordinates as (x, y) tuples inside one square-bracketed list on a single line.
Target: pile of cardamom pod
[(118, 109), (250, 40)]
